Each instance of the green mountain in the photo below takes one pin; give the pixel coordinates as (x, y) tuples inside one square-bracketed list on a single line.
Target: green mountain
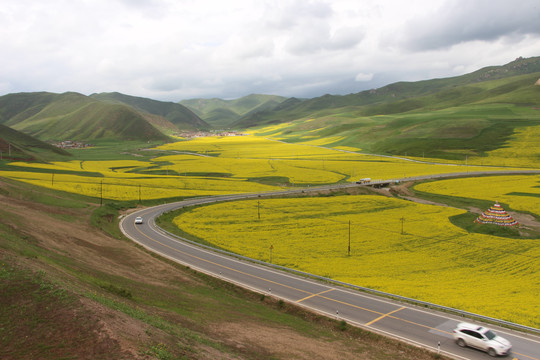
[(178, 115), (448, 118), (401, 96), (15, 145), (222, 113), (73, 116)]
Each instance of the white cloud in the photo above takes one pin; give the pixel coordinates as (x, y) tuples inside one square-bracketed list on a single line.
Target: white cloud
[(464, 21), (172, 50), (363, 77)]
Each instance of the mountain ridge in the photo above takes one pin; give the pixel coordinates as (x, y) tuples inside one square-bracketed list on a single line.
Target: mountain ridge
[(221, 113), (391, 93)]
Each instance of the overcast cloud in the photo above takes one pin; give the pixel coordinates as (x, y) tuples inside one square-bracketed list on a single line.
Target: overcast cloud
[(180, 49)]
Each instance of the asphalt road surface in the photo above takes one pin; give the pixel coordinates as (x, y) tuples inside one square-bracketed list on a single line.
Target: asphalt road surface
[(412, 324)]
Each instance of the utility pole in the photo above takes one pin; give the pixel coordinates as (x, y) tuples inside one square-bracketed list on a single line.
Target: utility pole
[(349, 252), (259, 209), (402, 221), (139, 193), (101, 194), (52, 179), (271, 248)]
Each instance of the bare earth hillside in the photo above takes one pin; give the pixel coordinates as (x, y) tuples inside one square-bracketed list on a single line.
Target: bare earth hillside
[(71, 291)]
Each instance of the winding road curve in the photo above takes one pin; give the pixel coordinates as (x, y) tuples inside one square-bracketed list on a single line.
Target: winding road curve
[(425, 328)]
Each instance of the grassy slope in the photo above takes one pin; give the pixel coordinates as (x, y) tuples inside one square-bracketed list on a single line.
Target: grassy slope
[(177, 114), (73, 116), (222, 113), (15, 145), (397, 97), (71, 290), (451, 124)]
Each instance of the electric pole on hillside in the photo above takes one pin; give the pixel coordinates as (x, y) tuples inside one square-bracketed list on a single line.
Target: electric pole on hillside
[(402, 221), (258, 209), (101, 193)]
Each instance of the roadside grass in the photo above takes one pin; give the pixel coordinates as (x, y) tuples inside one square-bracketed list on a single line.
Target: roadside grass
[(35, 316)]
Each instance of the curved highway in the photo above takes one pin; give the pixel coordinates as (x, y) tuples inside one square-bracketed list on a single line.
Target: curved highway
[(424, 328)]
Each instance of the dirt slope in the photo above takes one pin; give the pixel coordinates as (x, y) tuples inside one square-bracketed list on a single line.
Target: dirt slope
[(71, 291)]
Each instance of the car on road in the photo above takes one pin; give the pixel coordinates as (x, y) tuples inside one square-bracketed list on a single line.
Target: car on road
[(364, 181), (482, 338), (138, 220)]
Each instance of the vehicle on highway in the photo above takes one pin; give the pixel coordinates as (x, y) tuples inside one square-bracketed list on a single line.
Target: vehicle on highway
[(138, 220), (364, 181), (481, 338)]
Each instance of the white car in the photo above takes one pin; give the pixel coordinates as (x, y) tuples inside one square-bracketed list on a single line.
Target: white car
[(138, 220), (481, 338)]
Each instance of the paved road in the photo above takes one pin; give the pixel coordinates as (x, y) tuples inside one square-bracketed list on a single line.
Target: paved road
[(406, 322)]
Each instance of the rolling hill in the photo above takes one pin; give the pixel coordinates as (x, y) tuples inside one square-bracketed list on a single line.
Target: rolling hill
[(73, 116), (178, 115), (450, 118), (15, 145), (406, 96), (222, 113)]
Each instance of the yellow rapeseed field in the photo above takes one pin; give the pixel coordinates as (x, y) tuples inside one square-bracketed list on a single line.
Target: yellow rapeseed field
[(218, 165), (302, 164), (132, 187), (520, 192), (522, 149), (431, 259)]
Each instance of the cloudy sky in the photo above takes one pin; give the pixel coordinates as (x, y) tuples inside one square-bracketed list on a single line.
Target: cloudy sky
[(180, 49)]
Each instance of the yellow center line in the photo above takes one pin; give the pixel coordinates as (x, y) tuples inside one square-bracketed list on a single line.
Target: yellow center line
[(313, 295), (306, 292), (222, 266), (385, 315), (393, 317), (530, 357)]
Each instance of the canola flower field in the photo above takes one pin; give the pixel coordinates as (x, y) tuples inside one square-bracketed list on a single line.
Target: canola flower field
[(520, 192), (217, 166), (396, 246)]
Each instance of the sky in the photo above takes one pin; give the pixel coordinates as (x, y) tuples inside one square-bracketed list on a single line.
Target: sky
[(172, 50)]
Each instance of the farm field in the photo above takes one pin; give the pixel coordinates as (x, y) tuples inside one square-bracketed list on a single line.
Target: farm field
[(216, 166), (431, 260), (520, 192)]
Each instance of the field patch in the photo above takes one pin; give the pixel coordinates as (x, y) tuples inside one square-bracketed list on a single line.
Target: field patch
[(520, 192), (396, 246)]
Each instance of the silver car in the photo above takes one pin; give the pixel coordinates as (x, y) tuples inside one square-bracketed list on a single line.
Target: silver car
[(481, 338), (138, 220)]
